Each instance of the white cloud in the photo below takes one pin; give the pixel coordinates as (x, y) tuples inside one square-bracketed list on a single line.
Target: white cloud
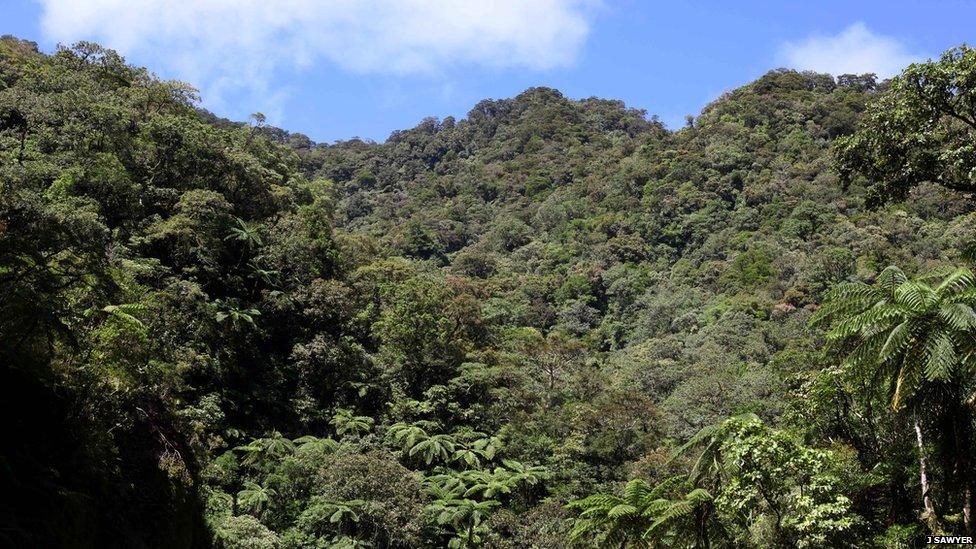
[(855, 50), (227, 46)]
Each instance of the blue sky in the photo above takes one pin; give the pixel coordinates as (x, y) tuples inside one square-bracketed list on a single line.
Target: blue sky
[(334, 69)]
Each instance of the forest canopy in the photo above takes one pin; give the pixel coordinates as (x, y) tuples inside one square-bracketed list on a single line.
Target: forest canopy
[(553, 322)]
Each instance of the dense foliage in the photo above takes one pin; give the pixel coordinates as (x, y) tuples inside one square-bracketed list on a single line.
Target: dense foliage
[(551, 322)]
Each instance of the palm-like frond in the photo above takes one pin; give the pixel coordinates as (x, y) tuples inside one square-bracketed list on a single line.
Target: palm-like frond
[(272, 448), (957, 281), (851, 291), (890, 278), (406, 435), (312, 444), (126, 312), (347, 423), (710, 439), (844, 298), (487, 446), (469, 457), (247, 234), (435, 447), (323, 514), (621, 510), (520, 472), (916, 295), (637, 492), (898, 338), (865, 354), (940, 356), (938, 273), (963, 296), (905, 333), (959, 316), (254, 497), (641, 514), (490, 488), (872, 320), (671, 512)]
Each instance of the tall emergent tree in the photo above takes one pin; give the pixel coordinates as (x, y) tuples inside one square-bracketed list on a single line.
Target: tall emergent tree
[(916, 339), (921, 128)]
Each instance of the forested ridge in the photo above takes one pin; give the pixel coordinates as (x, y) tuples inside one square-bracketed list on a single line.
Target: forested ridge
[(551, 323)]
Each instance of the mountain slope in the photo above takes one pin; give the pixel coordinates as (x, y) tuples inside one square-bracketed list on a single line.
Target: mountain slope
[(231, 335)]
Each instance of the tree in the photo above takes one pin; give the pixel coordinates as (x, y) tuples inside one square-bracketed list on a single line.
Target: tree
[(421, 242), (392, 500), (323, 514), (553, 359), (463, 515), (440, 447), (254, 498), (579, 283), (246, 532), (471, 447), (624, 521), (917, 341), (414, 440), (232, 313), (502, 480), (262, 451), (425, 331), (315, 445), (751, 486), (347, 423), (921, 128), (776, 491), (688, 516), (247, 234)]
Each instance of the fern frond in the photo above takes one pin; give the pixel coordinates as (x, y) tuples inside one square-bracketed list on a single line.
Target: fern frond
[(959, 280), (580, 529), (873, 319), (890, 278), (940, 356), (595, 501), (699, 495), (666, 486), (830, 310), (917, 296), (622, 510), (126, 312), (938, 273), (896, 341), (851, 290), (865, 354), (959, 316), (704, 434), (636, 491), (678, 509), (966, 296)]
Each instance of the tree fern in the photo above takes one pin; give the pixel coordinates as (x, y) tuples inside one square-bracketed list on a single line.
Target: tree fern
[(346, 422), (254, 498), (312, 444), (641, 516), (406, 435), (262, 450), (905, 333), (916, 339), (126, 312)]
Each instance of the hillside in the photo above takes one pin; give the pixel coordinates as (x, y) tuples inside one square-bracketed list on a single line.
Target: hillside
[(222, 334)]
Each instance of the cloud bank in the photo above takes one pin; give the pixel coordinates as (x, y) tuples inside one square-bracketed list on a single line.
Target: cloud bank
[(855, 50), (234, 45)]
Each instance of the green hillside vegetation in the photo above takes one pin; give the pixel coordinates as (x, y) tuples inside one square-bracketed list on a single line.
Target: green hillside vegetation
[(554, 322)]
